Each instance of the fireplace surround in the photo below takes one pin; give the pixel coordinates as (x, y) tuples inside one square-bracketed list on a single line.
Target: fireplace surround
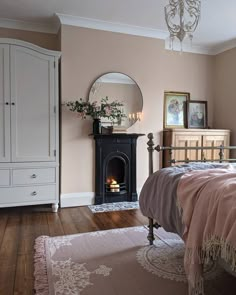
[(115, 167)]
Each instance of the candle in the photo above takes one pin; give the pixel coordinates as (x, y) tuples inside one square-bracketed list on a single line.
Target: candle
[(140, 116)]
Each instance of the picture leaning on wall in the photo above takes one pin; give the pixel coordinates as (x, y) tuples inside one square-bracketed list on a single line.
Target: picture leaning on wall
[(174, 109), (197, 114)]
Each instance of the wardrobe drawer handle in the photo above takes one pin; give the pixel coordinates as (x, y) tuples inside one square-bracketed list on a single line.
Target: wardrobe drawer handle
[(34, 193), (33, 176)]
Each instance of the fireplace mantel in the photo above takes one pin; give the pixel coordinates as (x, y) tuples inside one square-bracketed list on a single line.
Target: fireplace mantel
[(118, 135), (115, 154)]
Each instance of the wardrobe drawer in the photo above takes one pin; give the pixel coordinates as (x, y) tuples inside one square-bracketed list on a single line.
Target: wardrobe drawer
[(29, 194), (34, 176), (4, 177)]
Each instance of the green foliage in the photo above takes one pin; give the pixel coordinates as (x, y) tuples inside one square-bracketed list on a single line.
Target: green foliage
[(111, 110)]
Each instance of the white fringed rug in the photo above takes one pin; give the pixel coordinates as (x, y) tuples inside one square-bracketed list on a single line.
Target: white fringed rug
[(118, 206), (116, 262)]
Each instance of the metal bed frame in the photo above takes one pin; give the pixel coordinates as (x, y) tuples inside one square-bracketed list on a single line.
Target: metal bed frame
[(151, 148)]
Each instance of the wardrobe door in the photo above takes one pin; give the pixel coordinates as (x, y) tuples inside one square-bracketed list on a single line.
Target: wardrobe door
[(4, 104), (32, 105)]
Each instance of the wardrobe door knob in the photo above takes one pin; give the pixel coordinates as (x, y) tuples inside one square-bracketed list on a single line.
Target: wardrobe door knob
[(7, 103), (34, 193), (33, 176)]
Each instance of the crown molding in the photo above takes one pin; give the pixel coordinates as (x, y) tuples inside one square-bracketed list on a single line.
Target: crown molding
[(190, 48), (224, 47), (129, 29), (63, 19), (51, 28), (110, 26)]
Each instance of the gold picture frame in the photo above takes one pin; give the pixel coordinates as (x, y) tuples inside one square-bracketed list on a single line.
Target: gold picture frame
[(175, 109)]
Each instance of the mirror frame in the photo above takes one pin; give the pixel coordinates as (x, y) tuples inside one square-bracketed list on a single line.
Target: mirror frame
[(91, 85)]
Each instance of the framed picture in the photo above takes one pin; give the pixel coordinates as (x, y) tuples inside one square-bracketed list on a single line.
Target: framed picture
[(197, 114), (174, 109)]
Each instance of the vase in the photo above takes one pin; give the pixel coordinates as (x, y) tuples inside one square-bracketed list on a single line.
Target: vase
[(96, 126)]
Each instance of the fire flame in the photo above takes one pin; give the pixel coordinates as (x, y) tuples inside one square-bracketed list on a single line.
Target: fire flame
[(111, 181)]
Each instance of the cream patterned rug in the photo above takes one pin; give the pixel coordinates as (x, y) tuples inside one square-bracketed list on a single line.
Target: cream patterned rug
[(115, 262), (118, 206)]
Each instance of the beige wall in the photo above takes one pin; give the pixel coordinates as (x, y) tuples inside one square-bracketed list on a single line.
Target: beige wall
[(225, 92), (49, 41), (87, 54)]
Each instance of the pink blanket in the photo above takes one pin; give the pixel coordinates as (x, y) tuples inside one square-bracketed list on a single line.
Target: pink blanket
[(207, 200)]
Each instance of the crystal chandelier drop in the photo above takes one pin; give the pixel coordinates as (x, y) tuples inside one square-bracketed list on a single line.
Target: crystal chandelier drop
[(182, 17)]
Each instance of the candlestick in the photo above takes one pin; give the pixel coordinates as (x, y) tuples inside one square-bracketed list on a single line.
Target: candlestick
[(138, 116)]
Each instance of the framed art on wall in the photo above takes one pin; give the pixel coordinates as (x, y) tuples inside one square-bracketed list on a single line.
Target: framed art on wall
[(174, 109), (197, 114)]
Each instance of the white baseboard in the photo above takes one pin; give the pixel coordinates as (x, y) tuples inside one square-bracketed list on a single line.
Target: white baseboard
[(77, 199), (80, 199)]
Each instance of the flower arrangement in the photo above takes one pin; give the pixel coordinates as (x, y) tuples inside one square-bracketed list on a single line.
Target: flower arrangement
[(111, 110)]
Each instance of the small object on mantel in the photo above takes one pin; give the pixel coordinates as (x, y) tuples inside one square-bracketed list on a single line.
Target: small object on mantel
[(119, 129), (107, 130)]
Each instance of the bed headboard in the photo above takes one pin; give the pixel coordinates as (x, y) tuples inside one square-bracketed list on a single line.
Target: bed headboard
[(172, 161)]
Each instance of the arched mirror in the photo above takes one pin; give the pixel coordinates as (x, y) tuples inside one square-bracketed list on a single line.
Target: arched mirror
[(120, 87)]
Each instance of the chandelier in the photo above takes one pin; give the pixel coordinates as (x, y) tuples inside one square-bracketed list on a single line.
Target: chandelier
[(182, 17)]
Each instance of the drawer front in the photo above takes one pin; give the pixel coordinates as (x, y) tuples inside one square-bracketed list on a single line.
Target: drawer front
[(34, 176), (31, 194), (4, 177)]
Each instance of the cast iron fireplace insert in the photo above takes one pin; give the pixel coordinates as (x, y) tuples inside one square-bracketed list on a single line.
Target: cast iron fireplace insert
[(115, 167)]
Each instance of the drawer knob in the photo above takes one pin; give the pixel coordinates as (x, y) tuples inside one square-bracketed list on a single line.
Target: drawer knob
[(34, 193), (33, 176)]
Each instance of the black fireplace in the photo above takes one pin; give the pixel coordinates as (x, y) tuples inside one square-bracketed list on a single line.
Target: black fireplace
[(115, 167)]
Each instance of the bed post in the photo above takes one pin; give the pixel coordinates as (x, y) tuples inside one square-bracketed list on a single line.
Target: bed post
[(150, 236), (150, 148), (221, 153)]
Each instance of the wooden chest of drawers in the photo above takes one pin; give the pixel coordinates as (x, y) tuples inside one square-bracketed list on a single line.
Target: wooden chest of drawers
[(194, 138)]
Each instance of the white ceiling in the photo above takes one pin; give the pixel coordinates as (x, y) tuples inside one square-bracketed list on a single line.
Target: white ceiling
[(216, 31)]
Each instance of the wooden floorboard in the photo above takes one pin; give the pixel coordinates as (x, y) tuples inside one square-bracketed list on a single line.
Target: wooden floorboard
[(19, 227), (8, 254), (67, 222), (3, 224)]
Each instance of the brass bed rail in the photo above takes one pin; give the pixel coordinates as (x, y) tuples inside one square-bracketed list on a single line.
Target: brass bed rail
[(151, 148)]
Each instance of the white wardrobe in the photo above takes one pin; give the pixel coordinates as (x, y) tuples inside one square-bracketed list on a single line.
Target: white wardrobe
[(29, 123)]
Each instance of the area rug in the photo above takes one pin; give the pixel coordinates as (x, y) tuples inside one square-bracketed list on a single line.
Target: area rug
[(113, 262), (118, 206)]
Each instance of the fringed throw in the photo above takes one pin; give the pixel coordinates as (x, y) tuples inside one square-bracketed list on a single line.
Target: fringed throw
[(207, 202)]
